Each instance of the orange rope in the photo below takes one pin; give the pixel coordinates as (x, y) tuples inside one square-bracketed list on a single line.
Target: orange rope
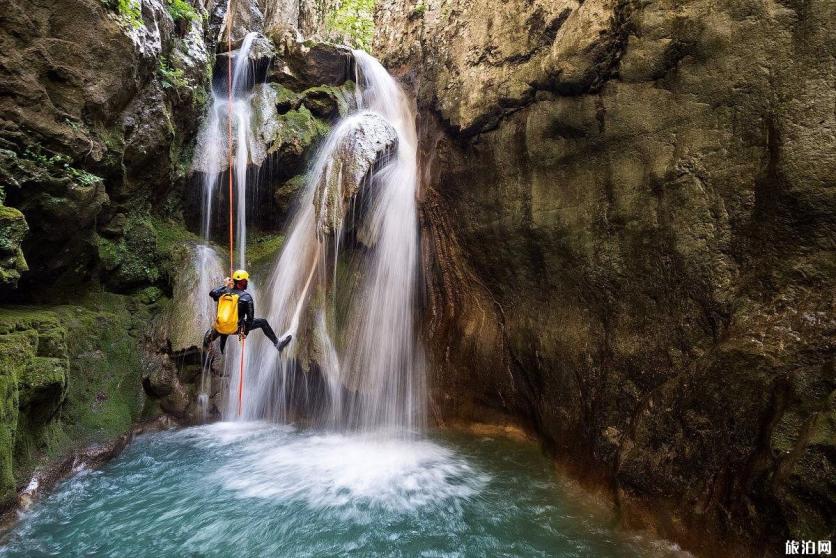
[(241, 377), (231, 162), (229, 128)]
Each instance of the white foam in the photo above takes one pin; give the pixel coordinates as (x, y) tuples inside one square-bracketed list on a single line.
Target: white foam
[(351, 472)]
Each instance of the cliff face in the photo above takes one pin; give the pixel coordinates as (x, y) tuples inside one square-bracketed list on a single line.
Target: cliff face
[(628, 217), (99, 103)]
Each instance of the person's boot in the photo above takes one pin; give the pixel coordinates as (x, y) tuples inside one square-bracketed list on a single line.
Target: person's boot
[(283, 342)]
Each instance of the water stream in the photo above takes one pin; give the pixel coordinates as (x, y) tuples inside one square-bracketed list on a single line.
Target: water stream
[(259, 489)]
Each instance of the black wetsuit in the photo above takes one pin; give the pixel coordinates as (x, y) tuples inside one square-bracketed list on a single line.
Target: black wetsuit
[(246, 317)]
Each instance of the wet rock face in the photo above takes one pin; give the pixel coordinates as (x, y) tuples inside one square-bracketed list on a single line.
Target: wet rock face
[(13, 229), (97, 106), (301, 88), (367, 139), (656, 192)]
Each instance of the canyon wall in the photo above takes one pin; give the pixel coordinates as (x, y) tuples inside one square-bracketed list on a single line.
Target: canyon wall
[(100, 106), (628, 232)]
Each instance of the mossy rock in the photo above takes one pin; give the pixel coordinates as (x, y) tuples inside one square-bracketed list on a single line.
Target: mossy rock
[(13, 229), (326, 102), (8, 428), (297, 131), (262, 251), (42, 387), (288, 192), (132, 260), (33, 376), (69, 376)]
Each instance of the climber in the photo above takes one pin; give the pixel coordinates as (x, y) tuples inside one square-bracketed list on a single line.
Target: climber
[(236, 313)]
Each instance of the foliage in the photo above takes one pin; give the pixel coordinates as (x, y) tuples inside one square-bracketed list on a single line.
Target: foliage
[(419, 10), (353, 22), (180, 10), (61, 163), (171, 77), (262, 250), (129, 11)]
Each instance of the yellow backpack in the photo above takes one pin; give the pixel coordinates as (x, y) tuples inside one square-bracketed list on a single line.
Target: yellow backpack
[(226, 321)]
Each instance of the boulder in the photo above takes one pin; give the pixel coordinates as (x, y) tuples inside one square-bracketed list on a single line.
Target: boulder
[(305, 64), (356, 146)]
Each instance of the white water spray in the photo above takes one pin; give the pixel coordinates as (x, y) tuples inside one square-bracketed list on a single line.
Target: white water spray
[(370, 357)]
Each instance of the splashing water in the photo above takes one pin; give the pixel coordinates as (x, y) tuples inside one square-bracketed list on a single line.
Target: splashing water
[(256, 489)]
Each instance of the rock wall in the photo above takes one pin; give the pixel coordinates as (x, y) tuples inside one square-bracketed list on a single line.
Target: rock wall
[(68, 377), (99, 102), (98, 105), (628, 219)]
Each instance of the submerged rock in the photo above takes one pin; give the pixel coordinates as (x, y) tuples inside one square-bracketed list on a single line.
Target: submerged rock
[(360, 143)]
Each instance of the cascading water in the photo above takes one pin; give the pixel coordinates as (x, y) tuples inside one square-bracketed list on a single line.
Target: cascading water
[(228, 126), (213, 157), (345, 287), (369, 356)]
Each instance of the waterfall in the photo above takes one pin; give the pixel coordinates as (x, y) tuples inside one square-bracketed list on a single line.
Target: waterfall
[(212, 155), (369, 356), (344, 284), (226, 112)]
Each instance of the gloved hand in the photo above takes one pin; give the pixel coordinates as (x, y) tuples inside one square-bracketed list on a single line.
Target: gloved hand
[(228, 282)]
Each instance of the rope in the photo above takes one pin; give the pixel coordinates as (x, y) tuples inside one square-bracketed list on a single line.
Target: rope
[(241, 376), (231, 162), (229, 128)]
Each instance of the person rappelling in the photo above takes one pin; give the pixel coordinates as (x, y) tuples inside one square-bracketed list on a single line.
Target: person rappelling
[(236, 313)]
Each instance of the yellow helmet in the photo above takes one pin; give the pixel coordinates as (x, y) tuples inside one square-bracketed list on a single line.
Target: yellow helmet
[(240, 275)]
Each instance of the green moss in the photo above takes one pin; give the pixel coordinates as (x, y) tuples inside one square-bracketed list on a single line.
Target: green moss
[(283, 94), (263, 250), (299, 129), (57, 165), (8, 428), (129, 11), (353, 22), (104, 394), (325, 100), (43, 371), (13, 229), (170, 76), (97, 378), (32, 382), (287, 192), (133, 259), (180, 10)]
